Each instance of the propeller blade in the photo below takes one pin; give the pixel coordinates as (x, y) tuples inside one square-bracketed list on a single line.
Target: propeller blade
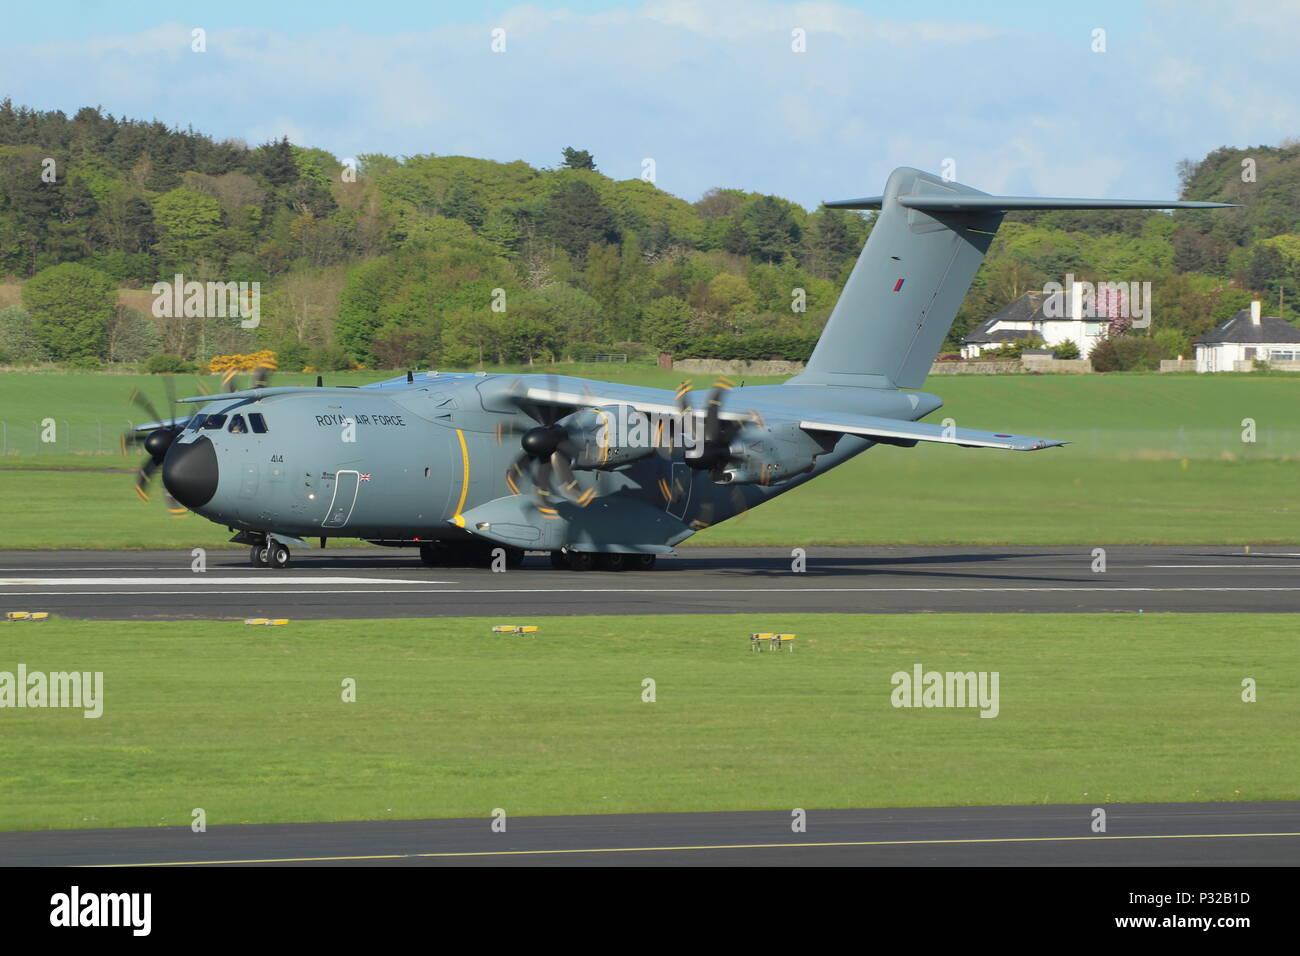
[(169, 386), (143, 477), (568, 482), (712, 423), (505, 430), (682, 404), (542, 485), (516, 472), (141, 401), (177, 509), (262, 374), (552, 411)]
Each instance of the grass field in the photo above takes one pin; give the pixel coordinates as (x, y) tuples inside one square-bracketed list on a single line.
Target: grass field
[(1154, 459), (450, 720)]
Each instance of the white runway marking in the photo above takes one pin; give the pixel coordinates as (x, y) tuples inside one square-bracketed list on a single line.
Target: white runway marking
[(759, 590), (1234, 567), (205, 579), (74, 568)]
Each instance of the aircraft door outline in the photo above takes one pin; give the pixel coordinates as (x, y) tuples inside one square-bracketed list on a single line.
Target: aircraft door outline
[(342, 505), (680, 477)]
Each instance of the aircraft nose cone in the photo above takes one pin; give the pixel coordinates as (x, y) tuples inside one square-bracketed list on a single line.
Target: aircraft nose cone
[(190, 472)]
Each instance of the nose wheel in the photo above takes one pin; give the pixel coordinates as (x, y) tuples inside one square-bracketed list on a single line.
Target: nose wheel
[(270, 554)]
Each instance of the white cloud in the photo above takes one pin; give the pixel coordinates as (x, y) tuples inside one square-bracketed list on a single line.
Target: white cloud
[(714, 93)]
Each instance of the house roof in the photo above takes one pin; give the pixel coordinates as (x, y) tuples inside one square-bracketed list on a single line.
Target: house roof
[(979, 337), (1028, 308), (1239, 330)]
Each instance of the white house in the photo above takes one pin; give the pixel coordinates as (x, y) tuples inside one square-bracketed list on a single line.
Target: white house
[(1247, 338), (1040, 315)]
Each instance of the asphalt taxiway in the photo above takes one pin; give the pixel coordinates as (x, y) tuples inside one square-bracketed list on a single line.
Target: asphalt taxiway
[(376, 582), (1189, 834)]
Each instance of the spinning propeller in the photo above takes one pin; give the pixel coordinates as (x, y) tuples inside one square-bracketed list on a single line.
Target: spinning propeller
[(155, 443), (546, 450), (715, 451)]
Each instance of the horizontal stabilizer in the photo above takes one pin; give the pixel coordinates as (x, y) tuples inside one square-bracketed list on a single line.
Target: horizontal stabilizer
[(891, 431)]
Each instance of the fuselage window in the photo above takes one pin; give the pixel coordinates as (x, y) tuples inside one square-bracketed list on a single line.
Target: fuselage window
[(214, 422), (258, 422), (238, 426)]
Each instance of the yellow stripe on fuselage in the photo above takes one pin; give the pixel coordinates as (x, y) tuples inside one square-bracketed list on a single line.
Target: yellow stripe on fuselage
[(464, 480)]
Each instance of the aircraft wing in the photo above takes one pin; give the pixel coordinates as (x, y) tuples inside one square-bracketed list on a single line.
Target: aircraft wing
[(640, 397), (895, 431), (892, 431)]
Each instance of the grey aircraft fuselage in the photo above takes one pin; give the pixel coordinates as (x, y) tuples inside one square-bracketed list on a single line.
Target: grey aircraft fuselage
[(405, 461)]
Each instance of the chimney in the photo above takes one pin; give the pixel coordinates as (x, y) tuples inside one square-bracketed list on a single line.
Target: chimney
[(1254, 312)]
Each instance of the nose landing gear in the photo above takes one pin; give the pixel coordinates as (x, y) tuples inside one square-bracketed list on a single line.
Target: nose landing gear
[(269, 554)]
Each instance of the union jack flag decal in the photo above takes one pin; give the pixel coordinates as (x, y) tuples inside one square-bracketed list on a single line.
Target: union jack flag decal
[(365, 477), (898, 285)]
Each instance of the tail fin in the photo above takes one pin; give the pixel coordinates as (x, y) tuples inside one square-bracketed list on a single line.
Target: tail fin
[(913, 273)]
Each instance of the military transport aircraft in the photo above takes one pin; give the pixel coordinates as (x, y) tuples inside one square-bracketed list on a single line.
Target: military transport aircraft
[(461, 464)]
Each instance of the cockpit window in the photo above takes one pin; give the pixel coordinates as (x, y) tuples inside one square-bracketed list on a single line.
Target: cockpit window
[(238, 426), (194, 423), (213, 422), (258, 422)]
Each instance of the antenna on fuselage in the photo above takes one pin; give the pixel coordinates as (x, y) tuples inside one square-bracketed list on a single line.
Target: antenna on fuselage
[(410, 376), (319, 381)]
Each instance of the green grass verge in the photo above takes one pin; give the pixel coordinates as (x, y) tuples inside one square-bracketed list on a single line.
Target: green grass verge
[(450, 720)]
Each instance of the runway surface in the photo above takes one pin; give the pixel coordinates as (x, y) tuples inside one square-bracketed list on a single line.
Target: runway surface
[(367, 583), (1190, 834)]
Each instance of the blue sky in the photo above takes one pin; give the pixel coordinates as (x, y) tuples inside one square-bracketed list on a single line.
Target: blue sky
[(711, 90)]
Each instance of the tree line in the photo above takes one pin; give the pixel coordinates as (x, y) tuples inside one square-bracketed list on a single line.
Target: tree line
[(448, 260)]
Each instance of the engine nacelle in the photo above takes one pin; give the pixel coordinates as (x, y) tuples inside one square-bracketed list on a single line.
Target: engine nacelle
[(763, 455), (609, 436)]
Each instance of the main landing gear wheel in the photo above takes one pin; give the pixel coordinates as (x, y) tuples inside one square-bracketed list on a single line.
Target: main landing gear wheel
[(257, 556), (558, 560), (277, 556), (643, 562), (580, 560), (431, 556), (613, 561)]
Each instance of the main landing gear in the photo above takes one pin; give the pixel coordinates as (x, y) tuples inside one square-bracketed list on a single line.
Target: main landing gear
[(442, 554), (269, 554), (602, 561)]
